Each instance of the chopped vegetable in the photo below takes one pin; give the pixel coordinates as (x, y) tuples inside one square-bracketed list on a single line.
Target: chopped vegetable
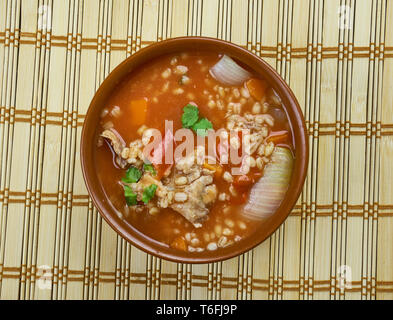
[(257, 88), (148, 167), (132, 175), (190, 120), (214, 167), (202, 126), (130, 196), (138, 111), (190, 116), (148, 193), (266, 195), (179, 243), (229, 72)]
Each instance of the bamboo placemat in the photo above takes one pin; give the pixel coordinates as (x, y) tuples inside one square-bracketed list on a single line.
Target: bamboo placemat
[(337, 55)]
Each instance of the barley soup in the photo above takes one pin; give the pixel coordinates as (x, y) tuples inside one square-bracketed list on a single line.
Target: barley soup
[(196, 203)]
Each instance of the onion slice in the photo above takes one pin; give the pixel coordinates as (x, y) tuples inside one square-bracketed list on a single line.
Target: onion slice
[(228, 72), (266, 195)]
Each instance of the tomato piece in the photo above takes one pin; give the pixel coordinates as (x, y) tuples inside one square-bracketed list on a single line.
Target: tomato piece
[(179, 243), (257, 88)]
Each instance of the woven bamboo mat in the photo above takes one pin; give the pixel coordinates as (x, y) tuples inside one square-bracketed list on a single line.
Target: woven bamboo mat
[(337, 55)]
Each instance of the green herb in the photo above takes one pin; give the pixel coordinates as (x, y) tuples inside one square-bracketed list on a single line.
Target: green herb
[(130, 196), (190, 116), (202, 126), (132, 175), (190, 120), (149, 168), (148, 193)]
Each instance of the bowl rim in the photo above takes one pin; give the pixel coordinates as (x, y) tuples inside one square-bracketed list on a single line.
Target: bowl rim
[(301, 148)]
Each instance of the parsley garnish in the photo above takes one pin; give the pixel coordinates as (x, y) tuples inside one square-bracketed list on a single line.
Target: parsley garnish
[(149, 193), (190, 116), (132, 175), (190, 120), (202, 126), (149, 168), (130, 196)]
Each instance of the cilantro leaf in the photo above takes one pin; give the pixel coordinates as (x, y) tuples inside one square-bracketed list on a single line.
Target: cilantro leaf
[(190, 120), (149, 193), (190, 116), (132, 175), (149, 168), (130, 196), (202, 126)]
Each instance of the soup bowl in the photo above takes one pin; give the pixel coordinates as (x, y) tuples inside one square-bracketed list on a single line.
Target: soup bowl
[(89, 139)]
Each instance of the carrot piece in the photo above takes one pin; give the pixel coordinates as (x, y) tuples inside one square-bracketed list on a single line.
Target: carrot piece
[(179, 243), (214, 167), (278, 137), (257, 88), (138, 111)]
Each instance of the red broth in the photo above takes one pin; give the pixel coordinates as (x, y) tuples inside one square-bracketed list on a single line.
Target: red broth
[(147, 97)]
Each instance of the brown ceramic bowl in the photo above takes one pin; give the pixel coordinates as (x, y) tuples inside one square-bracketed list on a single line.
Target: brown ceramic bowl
[(89, 138)]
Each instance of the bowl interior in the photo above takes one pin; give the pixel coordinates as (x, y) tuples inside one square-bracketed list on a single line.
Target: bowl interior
[(96, 190)]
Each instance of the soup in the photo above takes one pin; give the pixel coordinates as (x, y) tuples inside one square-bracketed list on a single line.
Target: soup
[(194, 150)]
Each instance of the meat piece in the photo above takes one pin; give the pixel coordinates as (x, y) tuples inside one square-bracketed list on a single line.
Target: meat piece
[(199, 193), (124, 155), (193, 198), (210, 194), (117, 144), (115, 139), (186, 164), (194, 174)]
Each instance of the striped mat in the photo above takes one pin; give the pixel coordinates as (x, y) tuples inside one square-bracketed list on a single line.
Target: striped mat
[(337, 56)]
